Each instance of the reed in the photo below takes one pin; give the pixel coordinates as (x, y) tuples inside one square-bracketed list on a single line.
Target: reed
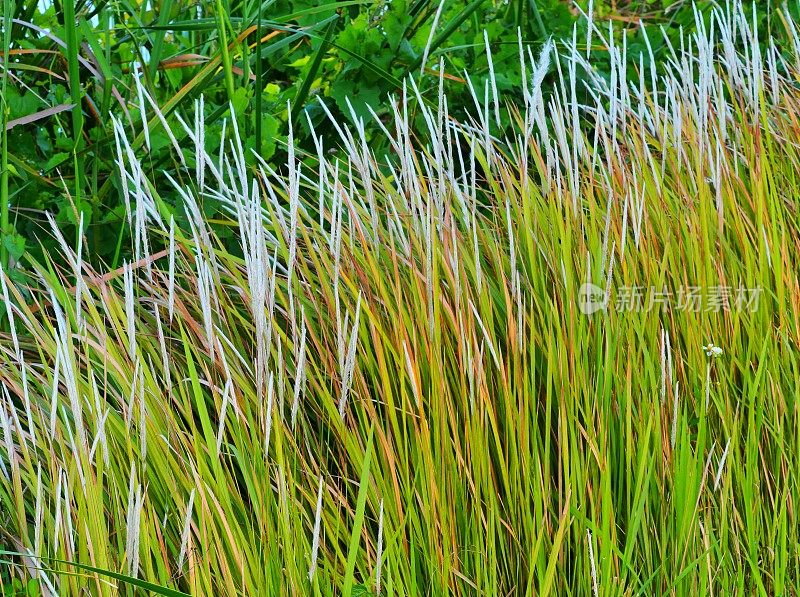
[(428, 372)]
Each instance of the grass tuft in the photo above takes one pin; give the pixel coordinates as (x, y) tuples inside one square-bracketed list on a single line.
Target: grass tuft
[(480, 365)]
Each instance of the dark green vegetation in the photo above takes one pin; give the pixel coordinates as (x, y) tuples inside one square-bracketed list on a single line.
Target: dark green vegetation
[(74, 65)]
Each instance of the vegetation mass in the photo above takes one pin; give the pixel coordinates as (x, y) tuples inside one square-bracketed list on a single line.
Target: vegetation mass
[(411, 371)]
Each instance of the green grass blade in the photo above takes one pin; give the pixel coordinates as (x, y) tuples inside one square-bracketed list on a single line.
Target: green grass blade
[(305, 87), (72, 38), (358, 521), (135, 582), (5, 110)]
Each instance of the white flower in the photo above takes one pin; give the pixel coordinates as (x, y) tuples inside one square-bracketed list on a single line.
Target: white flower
[(711, 350)]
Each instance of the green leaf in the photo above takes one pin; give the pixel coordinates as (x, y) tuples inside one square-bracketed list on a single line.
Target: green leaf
[(141, 584), (240, 100), (269, 135), (32, 588), (14, 243), (395, 24), (12, 170), (360, 94), (55, 159)]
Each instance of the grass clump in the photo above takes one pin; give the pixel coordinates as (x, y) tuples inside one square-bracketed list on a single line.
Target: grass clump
[(427, 373)]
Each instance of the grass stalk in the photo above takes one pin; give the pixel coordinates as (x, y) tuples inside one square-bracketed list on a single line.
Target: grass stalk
[(72, 38), (222, 32), (8, 11)]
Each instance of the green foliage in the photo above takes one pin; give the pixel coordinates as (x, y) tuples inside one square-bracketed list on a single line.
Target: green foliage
[(19, 588), (87, 55)]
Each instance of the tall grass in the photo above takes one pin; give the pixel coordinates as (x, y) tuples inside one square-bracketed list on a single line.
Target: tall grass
[(392, 386)]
